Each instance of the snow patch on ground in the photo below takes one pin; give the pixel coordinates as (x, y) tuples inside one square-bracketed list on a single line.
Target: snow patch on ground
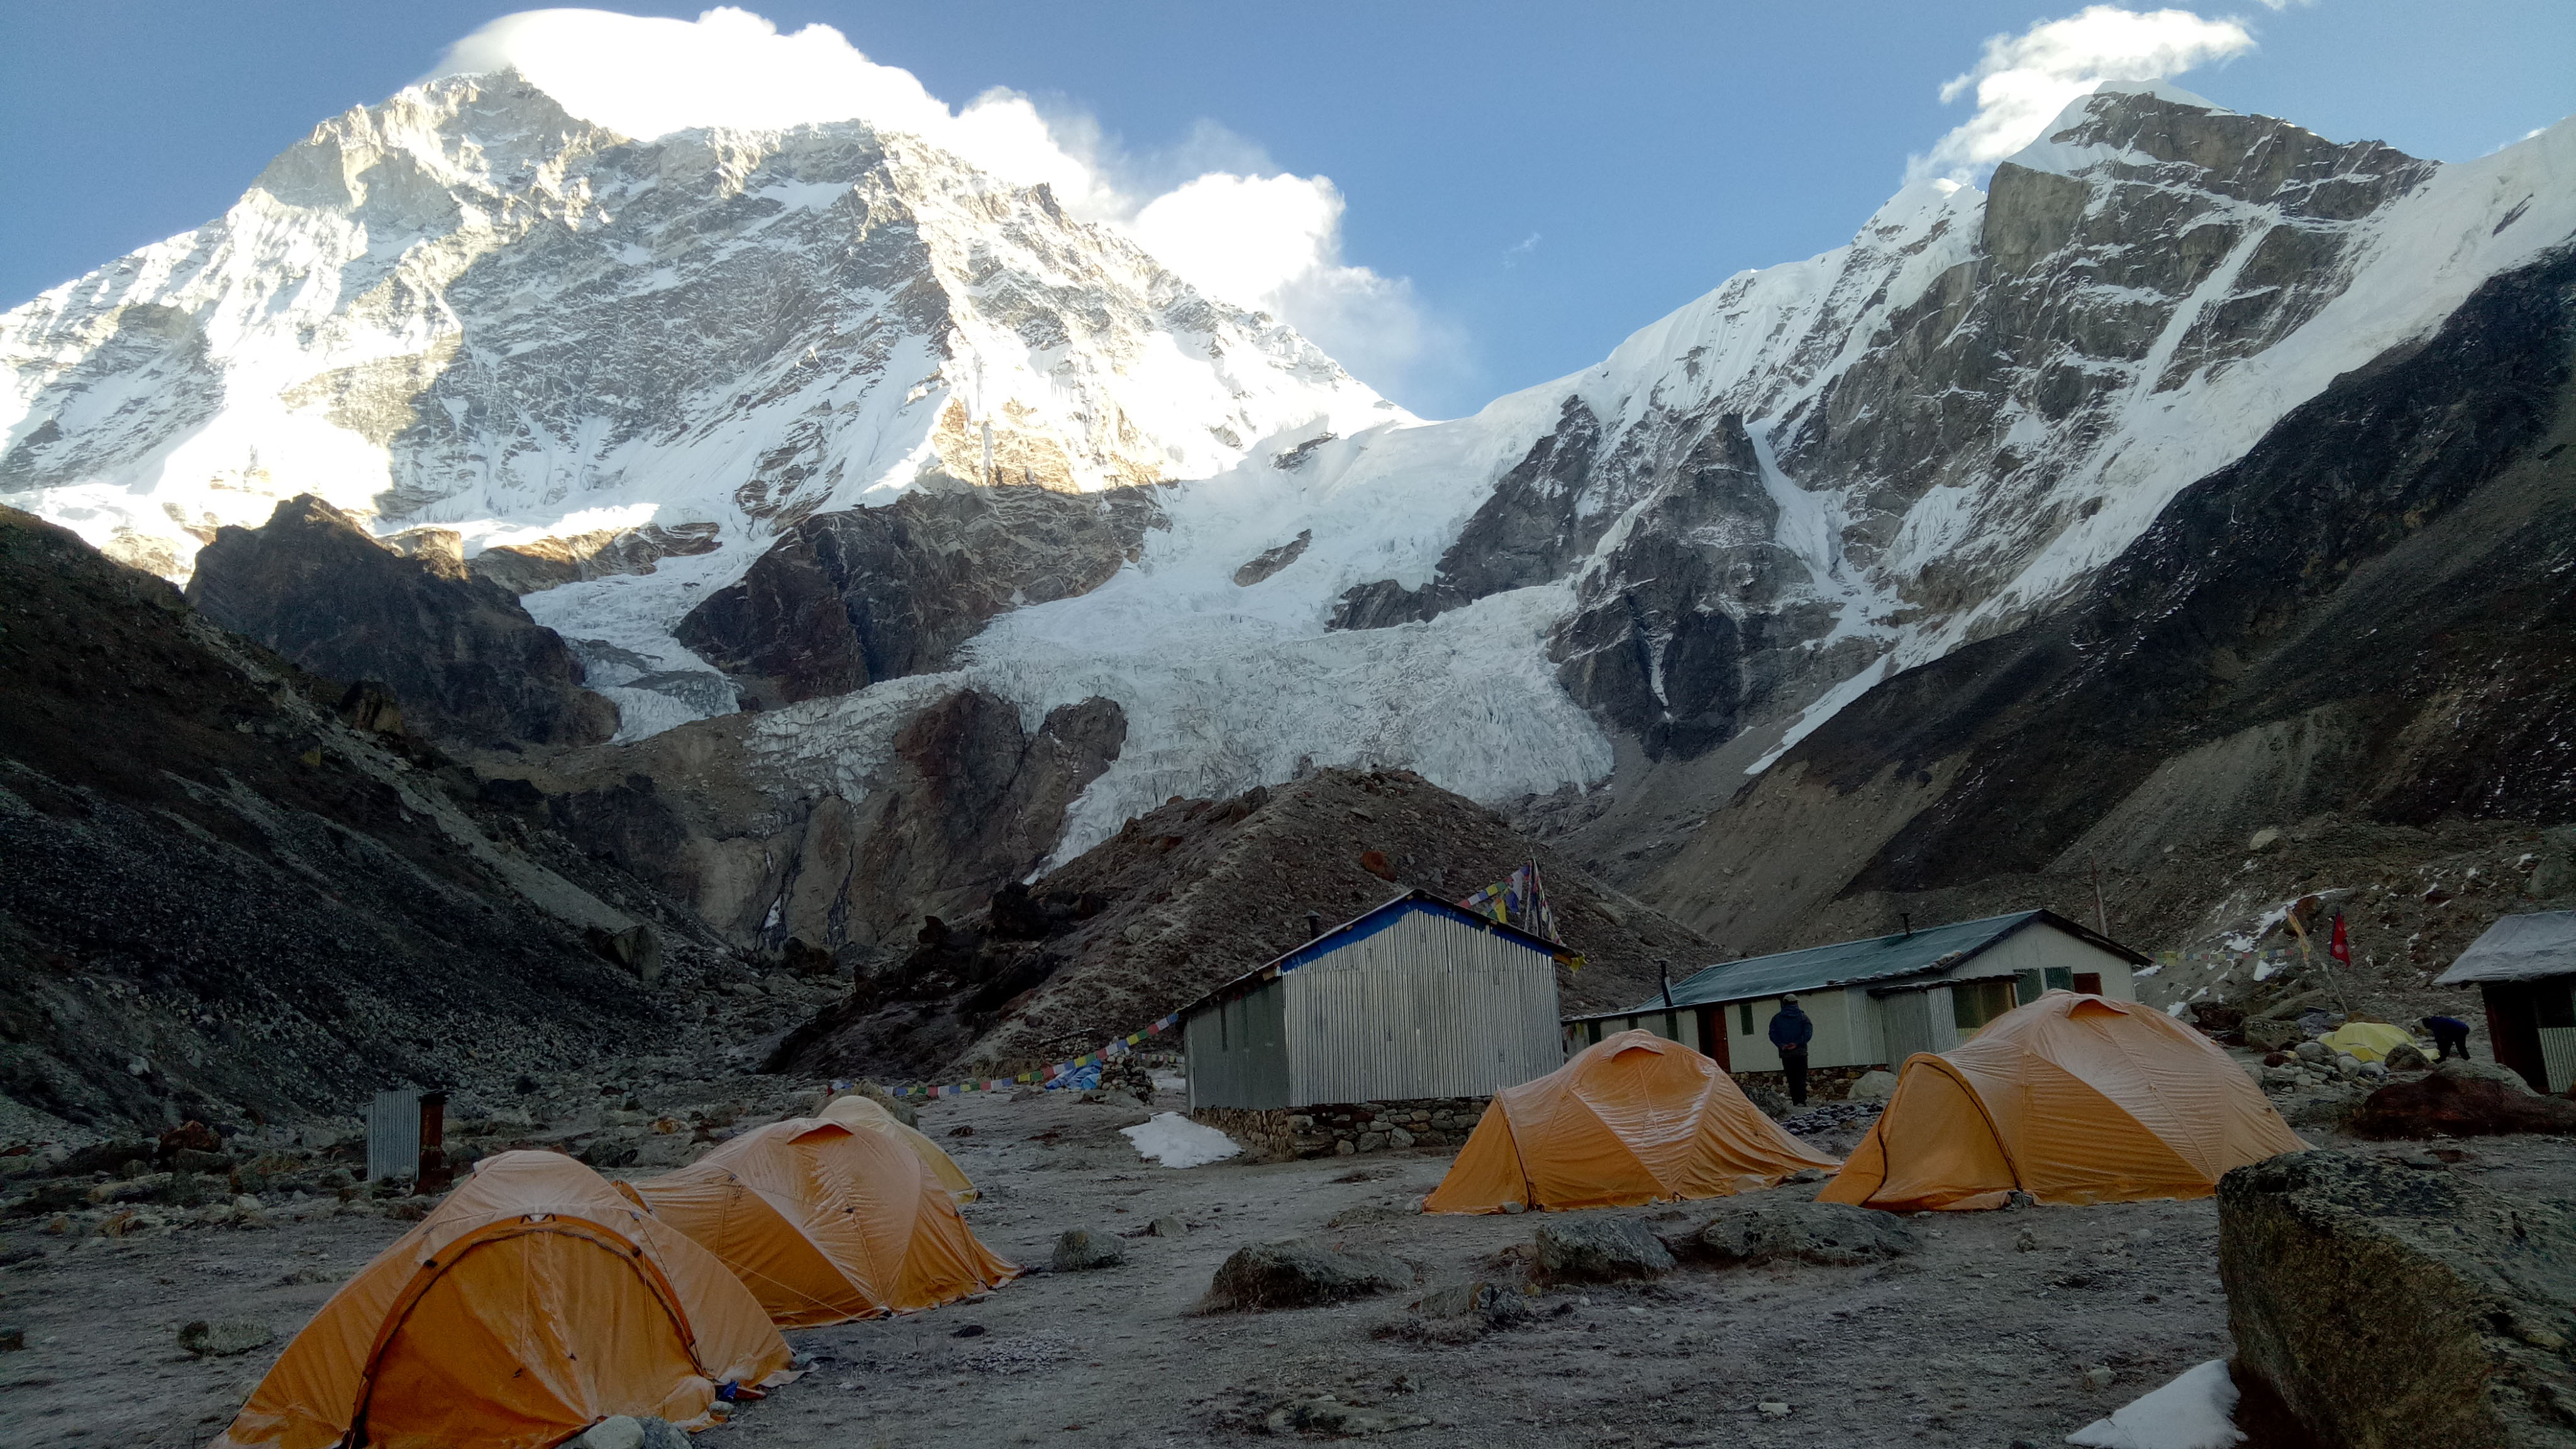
[(1176, 1141), (2195, 1411)]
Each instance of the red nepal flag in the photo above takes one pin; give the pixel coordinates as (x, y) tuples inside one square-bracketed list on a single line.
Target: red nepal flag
[(2340, 948)]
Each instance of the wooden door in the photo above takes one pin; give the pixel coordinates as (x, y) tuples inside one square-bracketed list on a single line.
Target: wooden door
[(1712, 1036)]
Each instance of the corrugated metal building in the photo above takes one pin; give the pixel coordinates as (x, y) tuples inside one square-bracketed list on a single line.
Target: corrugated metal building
[(1877, 1002), (1415, 999), (2525, 968)]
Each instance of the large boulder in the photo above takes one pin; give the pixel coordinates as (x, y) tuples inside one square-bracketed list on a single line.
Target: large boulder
[(1768, 1227), (2460, 1099), (1079, 1250), (1299, 1272), (2392, 1305), (1600, 1250), (1872, 1086)]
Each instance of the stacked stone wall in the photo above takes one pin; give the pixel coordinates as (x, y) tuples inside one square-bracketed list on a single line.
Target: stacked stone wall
[(1348, 1129), (1824, 1084)]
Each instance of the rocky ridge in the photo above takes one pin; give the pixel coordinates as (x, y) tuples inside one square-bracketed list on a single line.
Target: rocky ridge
[(238, 891), (1187, 897), (465, 660)]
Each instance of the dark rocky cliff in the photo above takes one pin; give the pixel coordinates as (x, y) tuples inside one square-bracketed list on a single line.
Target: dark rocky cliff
[(460, 653), (229, 890), (843, 600)]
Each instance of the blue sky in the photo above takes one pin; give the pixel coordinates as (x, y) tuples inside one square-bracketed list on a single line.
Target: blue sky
[(1534, 181)]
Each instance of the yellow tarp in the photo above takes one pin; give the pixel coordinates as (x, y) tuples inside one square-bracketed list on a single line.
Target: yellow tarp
[(2367, 1041), (824, 1223), (856, 1112), (2072, 1099), (532, 1303), (1631, 1119)]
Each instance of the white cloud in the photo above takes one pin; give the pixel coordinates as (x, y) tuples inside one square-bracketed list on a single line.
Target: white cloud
[(1211, 208), (1242, 237), (2023, 81)]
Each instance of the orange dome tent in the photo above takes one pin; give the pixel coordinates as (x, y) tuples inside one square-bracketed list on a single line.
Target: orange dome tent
[(823, 1223), (532, 1303), (855, 1112), (1632, 1119), (2072, 1099)]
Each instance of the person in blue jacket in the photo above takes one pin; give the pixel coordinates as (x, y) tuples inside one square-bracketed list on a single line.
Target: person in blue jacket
[(1790, 1032), (2450, 1037)]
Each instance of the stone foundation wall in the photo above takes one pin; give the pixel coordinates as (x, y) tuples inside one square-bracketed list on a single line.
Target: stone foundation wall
[(1347, 1128), (1824, 1084)]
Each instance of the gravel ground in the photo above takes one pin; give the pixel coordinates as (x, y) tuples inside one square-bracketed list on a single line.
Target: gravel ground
[(1973, 1341)]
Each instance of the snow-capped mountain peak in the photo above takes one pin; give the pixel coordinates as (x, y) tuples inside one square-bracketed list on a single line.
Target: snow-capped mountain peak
[(465, 308)]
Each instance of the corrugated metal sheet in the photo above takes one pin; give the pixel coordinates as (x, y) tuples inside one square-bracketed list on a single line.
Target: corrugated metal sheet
[(1239, 1052), (1359, 928), (1907, 1019), (1430, 1007), (2558, 1056), (393, 1135)]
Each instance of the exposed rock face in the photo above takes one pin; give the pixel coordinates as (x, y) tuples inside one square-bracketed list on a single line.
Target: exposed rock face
[(1698, 619), (2361, 615), (2391, 1306), (466, 661), (1271, 560), (528, 568), (963, 799), (1187, 897), (1539, 520), (845, 599), (220, 898)]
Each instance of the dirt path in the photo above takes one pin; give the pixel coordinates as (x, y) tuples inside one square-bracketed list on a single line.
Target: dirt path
[(1971, 1341)]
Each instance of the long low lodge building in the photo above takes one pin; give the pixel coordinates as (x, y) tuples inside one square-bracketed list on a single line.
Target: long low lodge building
[(1878, 1001)]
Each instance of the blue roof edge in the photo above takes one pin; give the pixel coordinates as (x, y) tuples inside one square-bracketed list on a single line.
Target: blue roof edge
[(1364, 925)]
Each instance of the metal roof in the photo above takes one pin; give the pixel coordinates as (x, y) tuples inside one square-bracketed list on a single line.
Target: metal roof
[(1359, 928), (1853, 963), (2518, 948)]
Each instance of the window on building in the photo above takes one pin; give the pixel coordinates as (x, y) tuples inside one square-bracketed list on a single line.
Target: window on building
[(2027, 985), (2088, 983), (2061, 978), (1974, 1003), (1744, 1018)]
